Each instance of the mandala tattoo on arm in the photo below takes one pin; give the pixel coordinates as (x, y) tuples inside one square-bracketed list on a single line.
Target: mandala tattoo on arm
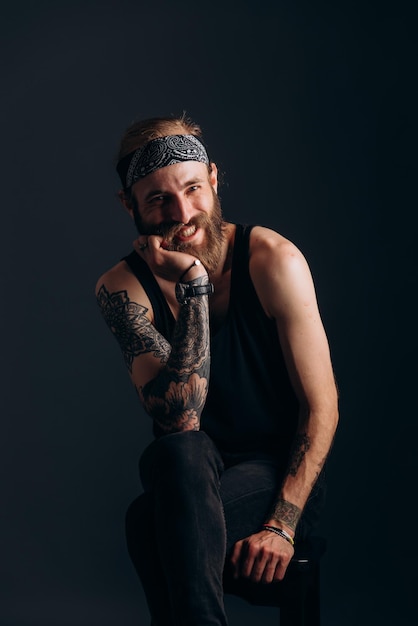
[(176, 396), (128, 322)]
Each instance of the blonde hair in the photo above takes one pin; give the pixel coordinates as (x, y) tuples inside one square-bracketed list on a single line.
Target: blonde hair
[(143, 131)]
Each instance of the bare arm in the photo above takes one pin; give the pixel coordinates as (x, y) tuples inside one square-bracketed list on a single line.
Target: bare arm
[(171, 380), (291, 301), (284, 285)]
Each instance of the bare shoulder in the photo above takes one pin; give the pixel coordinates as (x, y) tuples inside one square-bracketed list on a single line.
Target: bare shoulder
[(114, 278), (269, 246), (279, 271)]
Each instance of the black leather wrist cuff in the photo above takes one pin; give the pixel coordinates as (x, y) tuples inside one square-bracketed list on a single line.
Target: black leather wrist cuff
[(184, 292)]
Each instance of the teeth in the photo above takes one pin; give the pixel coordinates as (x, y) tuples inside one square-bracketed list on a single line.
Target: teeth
[(187, 232)]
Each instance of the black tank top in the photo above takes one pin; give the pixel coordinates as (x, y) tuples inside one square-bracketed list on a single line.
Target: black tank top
[(251, 406)]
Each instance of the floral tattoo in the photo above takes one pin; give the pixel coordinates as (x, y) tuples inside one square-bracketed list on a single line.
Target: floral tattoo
[(176, 396)]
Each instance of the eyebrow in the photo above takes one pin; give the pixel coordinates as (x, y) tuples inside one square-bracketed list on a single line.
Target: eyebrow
[(156, 192)]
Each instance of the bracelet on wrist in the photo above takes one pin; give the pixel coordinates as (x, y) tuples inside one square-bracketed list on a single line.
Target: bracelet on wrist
[(195, 263), (279, 531), (184, 292)]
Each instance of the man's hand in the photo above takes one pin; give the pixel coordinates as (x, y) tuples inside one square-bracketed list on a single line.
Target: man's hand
[(262, 557), (166, 264)]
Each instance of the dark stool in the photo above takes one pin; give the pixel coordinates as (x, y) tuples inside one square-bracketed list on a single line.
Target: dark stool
[(297, 595)]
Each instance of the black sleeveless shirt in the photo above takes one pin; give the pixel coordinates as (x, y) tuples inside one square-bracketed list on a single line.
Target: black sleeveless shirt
[(251, 406)]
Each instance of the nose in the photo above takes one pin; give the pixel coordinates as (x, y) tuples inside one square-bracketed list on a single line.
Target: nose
[(180, 209)]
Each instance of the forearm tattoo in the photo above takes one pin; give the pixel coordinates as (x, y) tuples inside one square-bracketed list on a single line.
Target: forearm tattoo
[(128, 322), (300, 447), (286, 513), (176, 396)]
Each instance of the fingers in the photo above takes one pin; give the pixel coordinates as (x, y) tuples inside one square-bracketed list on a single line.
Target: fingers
[(236, 558), (144, 243), (140, 244), (261, 560), (266, 572)]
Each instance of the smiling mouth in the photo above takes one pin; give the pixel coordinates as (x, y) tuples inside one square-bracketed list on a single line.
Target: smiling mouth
[(185, 232)]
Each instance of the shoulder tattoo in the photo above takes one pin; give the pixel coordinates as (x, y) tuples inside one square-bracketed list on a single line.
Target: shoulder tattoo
[(128, 322)]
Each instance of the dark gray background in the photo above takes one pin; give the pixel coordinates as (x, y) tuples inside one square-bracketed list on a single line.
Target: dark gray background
[(308, 109)]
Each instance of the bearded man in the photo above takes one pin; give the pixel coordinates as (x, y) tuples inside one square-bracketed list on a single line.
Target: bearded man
[(221, 334)]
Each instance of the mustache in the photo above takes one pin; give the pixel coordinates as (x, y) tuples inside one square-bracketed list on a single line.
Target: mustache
[(169, 230)]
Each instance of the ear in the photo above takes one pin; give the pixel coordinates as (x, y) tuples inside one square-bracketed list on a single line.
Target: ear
[(125, 202), (213, 176)]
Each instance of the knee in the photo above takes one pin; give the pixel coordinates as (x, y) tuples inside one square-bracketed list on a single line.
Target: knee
[(181, 456), (187, 447)]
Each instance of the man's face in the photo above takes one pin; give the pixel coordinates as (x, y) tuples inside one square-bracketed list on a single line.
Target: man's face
[(180, 203)]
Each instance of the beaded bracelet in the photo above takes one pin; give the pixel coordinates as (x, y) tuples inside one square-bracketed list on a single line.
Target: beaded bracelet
[(279, 531)]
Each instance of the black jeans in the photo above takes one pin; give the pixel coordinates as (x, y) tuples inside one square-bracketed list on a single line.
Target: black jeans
[(197, 504)]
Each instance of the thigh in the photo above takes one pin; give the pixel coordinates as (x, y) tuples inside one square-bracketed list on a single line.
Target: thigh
[(247, 491)]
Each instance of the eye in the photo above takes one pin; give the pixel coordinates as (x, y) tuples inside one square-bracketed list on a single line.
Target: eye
[(193, 188), (157, 200)]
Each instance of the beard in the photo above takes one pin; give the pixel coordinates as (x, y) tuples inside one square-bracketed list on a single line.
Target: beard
[(212, 223)]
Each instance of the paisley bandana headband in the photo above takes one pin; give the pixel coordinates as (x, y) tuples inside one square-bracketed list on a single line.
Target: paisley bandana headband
[(159, 153)]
